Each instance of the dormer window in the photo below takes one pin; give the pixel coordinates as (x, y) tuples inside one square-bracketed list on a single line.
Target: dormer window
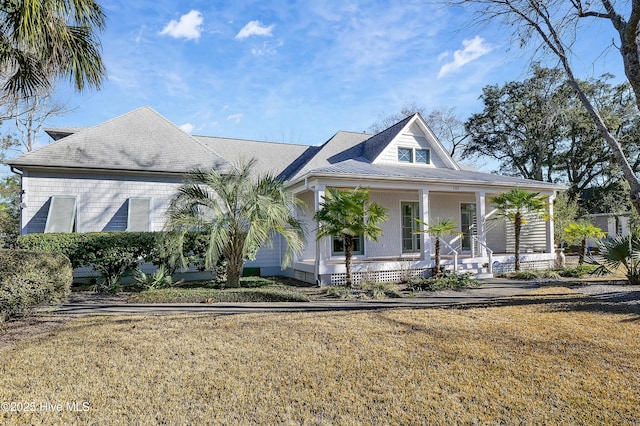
[(422, 156), (405, 155), (411, 155)]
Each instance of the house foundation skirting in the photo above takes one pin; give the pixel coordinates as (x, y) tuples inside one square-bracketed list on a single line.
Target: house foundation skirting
[(395, 272)]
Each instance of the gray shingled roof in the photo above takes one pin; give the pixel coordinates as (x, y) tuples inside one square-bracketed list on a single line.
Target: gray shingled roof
[(272, 157), (425, 174), (141, 140), (377, 143), (342, 146)]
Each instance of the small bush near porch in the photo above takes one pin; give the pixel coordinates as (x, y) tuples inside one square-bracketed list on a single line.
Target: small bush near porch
[(548, 357)]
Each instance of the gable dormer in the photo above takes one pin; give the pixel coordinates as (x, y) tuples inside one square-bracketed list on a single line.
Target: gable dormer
[(410, 142)]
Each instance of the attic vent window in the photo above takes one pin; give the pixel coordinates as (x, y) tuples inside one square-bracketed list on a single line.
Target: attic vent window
[(405, 155), (422, 156)]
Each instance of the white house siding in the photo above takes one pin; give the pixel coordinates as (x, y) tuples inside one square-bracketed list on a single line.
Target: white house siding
[(532, 236), (269, 257), (496, 230), (390, 243), (390, 154), (102, 198)]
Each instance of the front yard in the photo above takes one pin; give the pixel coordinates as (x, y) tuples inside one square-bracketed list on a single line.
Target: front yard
[(551, 356)]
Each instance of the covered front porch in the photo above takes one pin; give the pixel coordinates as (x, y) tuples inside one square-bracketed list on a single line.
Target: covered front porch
[(483, 243)]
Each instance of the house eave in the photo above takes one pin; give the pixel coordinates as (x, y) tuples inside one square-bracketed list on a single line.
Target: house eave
[(543, 186), (96, 170)]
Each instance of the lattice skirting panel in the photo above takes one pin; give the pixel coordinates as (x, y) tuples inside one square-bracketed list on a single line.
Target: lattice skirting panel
[(379, 276)]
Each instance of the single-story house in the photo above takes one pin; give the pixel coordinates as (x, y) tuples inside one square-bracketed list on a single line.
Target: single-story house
[(120, 176)]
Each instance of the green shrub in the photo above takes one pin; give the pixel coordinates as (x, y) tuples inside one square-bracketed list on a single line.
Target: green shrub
[(112, 254), (364, 290), (159, 279), (29, 279), (380, 290), (578, 271), (533, 275), (447, 281), (339, 291)]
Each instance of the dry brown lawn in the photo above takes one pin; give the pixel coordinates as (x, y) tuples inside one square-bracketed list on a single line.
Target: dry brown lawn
[(551, 357)]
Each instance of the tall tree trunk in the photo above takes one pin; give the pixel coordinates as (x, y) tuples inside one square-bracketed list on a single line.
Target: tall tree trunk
[(234, 271), (348, 254), (518, 226), (437, 268), (616, 148), (235, 261), (583, 251), (628, 32)]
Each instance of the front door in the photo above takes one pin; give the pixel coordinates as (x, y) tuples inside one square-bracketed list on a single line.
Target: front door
[(467, 224)]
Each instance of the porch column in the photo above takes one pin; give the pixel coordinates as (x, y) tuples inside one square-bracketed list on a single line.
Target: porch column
[(624, 225), (425, 239), (612, 230), (481, 220), (550, 233), (318, 195)]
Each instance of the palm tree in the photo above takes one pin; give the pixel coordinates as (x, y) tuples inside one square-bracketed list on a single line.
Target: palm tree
[(238, 212), (513, 205), (440, 229), (579, 233), (347, 214), (41, 40), (621, 251)]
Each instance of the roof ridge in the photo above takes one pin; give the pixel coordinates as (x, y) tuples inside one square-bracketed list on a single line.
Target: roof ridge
[(251, 140)]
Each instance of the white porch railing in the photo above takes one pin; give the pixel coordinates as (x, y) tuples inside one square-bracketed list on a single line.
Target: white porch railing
[(474, 241), (455, 254)]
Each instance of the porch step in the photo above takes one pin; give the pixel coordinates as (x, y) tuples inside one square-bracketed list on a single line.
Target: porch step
[(477, 269)]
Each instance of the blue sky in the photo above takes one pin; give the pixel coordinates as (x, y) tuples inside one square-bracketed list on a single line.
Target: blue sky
[(297, 72)]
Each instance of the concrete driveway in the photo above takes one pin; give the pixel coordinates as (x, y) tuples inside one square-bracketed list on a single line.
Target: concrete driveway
[(490, 290)]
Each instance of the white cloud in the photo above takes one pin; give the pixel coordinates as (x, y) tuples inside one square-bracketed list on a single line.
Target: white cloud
[(473, 49), (236, 118), (254, 28), (189, 26), (267, 48), (186, 127)]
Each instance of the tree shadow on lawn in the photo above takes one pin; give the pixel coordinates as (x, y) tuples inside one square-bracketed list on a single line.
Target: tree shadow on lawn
[(624, 303)]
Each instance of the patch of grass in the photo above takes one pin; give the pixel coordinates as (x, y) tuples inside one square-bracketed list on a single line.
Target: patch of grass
[(550, 357), (212, 295)]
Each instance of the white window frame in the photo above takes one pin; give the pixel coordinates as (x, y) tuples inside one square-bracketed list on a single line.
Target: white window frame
[(413, 158), (410, 150), (427, 155), (341, 253), (416, 241)]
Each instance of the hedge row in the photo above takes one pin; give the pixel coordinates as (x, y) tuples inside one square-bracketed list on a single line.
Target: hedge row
[(114, 253), (29, 279)]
